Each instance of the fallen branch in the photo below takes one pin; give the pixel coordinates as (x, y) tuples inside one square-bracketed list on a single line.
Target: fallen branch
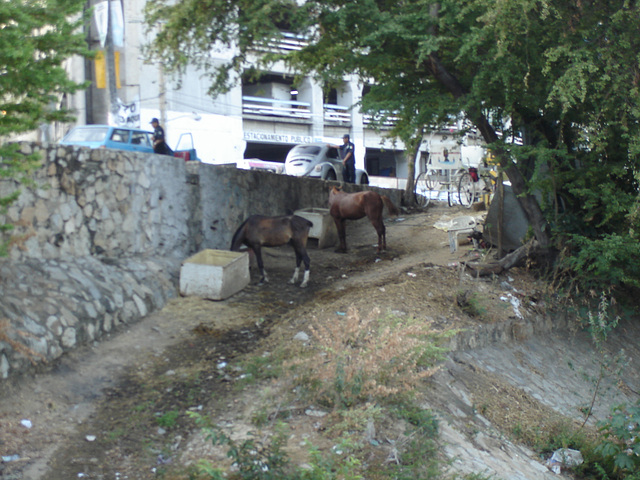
[(505, 263)]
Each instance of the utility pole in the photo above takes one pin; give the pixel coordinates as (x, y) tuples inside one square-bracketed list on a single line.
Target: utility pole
[(112, 88)]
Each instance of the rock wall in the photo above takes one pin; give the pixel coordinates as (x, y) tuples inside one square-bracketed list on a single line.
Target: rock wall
[(100, 235)]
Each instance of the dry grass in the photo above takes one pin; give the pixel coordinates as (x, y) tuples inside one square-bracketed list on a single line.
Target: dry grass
[(356, 358)]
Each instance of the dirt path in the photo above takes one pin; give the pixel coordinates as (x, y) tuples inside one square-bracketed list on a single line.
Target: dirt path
[(75, 410)]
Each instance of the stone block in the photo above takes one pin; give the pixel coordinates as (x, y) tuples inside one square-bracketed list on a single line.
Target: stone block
[(324, 228), (214, 274)]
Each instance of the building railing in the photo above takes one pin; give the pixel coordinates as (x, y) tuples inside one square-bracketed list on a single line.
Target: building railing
[(275, 108), (336, 113), (387, 122), (288, 42)]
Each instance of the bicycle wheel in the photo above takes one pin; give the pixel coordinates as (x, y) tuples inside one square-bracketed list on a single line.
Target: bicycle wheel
[(467, 190), (432, 179), (422, 192)]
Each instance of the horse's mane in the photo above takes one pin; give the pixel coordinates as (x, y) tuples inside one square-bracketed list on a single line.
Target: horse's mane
[(238, 237)]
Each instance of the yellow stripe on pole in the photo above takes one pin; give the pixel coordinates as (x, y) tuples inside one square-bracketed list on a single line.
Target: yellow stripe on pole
[(101, 70), (116, 60)]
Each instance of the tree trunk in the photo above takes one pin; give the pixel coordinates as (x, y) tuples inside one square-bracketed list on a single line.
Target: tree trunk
[(411, 153)]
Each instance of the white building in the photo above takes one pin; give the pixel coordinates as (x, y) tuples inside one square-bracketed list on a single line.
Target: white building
[(262, 119)]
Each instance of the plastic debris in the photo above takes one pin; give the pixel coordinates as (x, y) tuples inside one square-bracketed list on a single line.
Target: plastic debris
[(411, 274), (515, 303), (10, 458), (342, 314), (564, 457), (301, 336), (26, 423), (315, 413), (90, 438)]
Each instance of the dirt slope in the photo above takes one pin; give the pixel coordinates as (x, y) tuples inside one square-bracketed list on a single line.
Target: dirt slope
[(116, 409)]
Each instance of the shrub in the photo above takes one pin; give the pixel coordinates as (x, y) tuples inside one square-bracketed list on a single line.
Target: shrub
[(620, 449)]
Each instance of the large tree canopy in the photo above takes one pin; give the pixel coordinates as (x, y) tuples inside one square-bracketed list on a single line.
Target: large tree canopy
[(562, 75), (35, 39)]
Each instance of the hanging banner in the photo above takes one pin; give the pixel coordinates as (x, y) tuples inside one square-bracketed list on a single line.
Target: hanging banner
[(102, 13), (117, 23), (101, 17), (129, 113)]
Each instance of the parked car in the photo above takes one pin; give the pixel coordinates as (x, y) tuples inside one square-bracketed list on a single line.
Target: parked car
[(318, 160), (106, 136), (258, 164), (125, 138)]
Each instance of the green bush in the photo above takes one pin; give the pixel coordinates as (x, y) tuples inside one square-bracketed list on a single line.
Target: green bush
[(620, 448)]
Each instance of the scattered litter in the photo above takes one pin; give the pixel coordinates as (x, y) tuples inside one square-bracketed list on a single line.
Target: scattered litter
[(315, 413), (90, 438), (378, 260), (10, 458), (514, 302), (302, 336), (453, 264), (342, 314), (221, 365), (26, 423), (344, 276), (382, 289), (411, 274), (161, 431), (564, 457)]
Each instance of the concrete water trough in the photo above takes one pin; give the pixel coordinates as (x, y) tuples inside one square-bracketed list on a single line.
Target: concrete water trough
[(324, 228), (214, 274)]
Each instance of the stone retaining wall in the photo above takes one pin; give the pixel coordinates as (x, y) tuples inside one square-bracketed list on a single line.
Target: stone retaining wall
[(100, 236)]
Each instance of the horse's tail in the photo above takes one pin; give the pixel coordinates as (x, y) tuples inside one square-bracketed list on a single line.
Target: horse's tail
[(300, 227), (300, 222), (238, 237), (393, 210)]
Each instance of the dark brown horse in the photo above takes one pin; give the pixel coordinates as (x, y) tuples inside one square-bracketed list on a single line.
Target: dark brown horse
[(353, 206), (259, 231)]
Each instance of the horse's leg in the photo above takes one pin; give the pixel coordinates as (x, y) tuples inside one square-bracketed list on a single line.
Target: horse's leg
[(263, 274), (307, 268), (294, 279), (342, 234), (378, 224), (301, 255)]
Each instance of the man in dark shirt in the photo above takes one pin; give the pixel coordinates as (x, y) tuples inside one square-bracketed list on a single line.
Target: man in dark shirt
[(159, 144), (347, 155)]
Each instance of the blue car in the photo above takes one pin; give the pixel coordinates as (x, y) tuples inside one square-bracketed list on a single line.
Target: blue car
[(106, 136)]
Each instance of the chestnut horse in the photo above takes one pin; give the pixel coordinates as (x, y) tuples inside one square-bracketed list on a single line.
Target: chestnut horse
[(353, 206), (259, 231)]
